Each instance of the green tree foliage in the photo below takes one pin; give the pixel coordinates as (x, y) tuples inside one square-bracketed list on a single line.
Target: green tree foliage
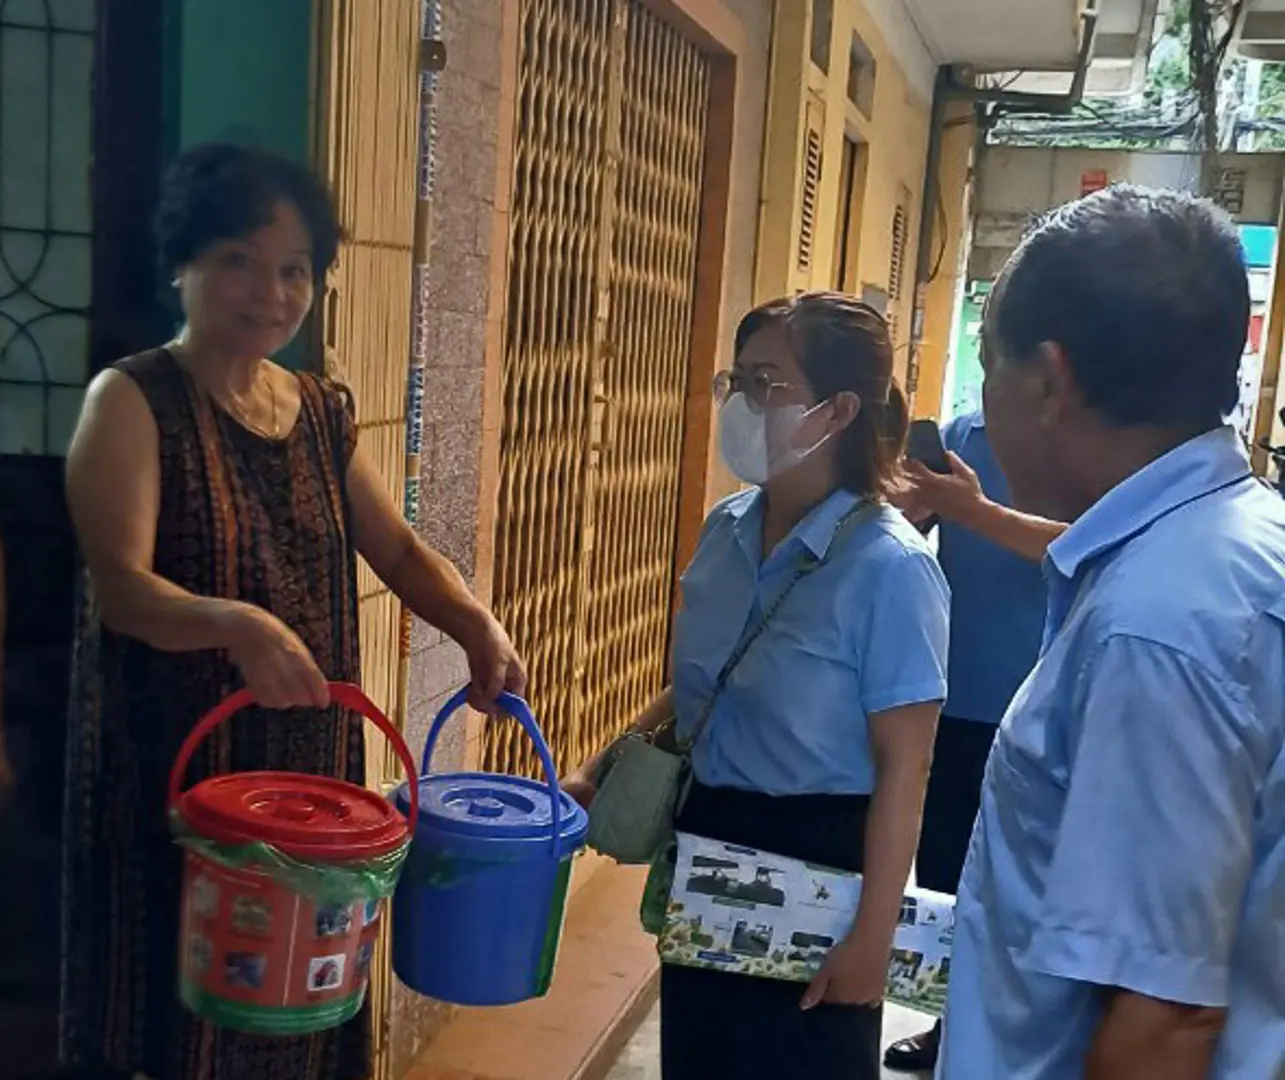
[(1271, 106)]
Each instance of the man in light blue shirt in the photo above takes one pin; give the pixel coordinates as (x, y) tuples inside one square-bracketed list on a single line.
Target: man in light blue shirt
[(1122, 911), (997, 594), (991, 558)]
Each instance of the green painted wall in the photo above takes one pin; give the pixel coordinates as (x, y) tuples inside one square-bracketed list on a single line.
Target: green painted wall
[(965, 390), (244, 72), (241, 71)]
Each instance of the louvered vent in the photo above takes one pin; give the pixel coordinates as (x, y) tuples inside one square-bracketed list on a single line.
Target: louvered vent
[(896, 269), (811, 189)]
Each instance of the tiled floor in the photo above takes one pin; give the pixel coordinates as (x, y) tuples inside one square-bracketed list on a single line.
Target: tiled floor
[(641, 1059)]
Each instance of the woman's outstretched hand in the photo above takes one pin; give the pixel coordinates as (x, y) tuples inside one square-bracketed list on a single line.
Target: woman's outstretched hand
[(494, 665), (272, 659)]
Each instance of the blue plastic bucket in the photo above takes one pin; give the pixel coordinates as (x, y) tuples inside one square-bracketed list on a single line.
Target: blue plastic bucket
[(478, 910)]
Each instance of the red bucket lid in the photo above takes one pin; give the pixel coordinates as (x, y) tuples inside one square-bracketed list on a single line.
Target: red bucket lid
[(307, 817)]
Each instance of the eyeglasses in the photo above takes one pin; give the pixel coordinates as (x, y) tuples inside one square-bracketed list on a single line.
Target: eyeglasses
[(756, 386)]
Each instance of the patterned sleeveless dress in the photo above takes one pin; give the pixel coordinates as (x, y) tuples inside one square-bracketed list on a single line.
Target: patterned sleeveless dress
[(246, 518)]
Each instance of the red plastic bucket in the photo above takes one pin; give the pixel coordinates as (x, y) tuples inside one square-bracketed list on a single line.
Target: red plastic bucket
[(284, 880)]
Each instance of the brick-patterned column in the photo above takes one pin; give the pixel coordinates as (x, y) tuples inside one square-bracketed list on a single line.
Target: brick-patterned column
[(456, 304), (462, 312)]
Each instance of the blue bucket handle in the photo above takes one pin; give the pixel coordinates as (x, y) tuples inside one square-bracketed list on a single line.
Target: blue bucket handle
[(521, 712)]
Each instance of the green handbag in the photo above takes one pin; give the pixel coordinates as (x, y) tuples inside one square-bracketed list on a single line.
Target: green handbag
[(638, 789), (644, 778)]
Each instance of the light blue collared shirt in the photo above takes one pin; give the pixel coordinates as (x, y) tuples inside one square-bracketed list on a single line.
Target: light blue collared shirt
[(997, 598), (863, 633), (1132, 830)]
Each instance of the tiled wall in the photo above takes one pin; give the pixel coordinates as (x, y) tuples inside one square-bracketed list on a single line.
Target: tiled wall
[(468, 108), (466, 290), (458, 305), (475, 116)]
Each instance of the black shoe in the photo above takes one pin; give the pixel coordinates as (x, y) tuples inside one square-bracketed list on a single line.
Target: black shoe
[(916, 1054)]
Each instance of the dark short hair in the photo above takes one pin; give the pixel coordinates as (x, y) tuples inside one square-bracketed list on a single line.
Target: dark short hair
[(844, 345), (221, 191), (1147, 294)]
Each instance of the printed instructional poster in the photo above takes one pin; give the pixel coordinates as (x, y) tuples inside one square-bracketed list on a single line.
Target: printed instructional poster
[(746, 911)]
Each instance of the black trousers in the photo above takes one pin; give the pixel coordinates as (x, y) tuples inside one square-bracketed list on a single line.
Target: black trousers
[(720, 1026), (951, 805)]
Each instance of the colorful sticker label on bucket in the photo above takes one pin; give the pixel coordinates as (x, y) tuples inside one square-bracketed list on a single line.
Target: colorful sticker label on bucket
[(326, 973), (334, 920), (251, 916), (249, 940)]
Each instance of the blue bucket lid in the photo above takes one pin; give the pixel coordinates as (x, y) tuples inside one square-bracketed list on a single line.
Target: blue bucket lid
[(492, 806)]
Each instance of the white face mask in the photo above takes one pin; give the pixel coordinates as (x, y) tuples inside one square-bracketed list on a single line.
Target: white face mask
[(757, 446)]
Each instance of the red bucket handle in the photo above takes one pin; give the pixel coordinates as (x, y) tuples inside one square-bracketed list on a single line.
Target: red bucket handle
[(345, 695)]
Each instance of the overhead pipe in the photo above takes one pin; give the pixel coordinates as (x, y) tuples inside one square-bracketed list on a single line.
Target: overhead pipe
[(946, 90)]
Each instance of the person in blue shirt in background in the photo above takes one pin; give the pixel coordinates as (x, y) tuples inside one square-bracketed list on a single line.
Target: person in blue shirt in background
[(1122, 910), (991, 557), (818, 743)]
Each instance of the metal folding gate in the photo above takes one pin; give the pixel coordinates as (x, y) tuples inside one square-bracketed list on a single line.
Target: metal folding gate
[(610, 141)]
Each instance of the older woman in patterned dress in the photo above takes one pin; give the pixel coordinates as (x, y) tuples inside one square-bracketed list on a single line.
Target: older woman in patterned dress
[(221, 502)]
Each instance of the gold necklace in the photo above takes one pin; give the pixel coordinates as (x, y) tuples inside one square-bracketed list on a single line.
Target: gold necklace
[(242, 414), (231, 403)]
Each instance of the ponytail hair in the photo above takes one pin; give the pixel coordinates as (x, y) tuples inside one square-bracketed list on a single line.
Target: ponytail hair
[(843, 345)]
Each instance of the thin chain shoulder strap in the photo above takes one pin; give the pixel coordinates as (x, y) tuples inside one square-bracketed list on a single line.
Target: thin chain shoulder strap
[(862, 510)]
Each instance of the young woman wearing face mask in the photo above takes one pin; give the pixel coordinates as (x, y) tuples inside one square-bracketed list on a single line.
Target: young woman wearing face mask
[(818, 745)]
